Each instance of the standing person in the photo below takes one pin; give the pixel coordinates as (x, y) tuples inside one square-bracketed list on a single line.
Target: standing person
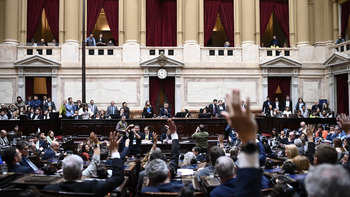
[(122, 128), (70, 108), (287, 103), (63, 109), (93, 107), (266, 105), (85, 112), (148, 108), (101, 41), (300, 104), (112, 109), (50, 103), (135, 141), (36, 103), (201, 137), (214, 107), (20, 103), (277, 104), (43, 103), (165, 111), (90, 41), (126, 109)]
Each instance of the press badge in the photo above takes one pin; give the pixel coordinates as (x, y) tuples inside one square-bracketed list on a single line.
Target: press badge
[(134, 142)]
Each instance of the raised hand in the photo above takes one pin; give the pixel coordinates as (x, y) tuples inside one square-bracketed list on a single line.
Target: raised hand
[(93, 137), (221, 139), (114, 141), (171, 126), (155, 138), (310, 133), (127, 141), (240, 119), (344, 123)]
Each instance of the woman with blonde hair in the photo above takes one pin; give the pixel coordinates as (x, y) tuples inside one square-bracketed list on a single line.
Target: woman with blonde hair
[(291, 151), (338, 145), (301, 162), (50, 137)]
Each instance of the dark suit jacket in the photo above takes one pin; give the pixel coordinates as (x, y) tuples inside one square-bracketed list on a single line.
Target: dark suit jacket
[(314, 107), (279, 105), (42, 143), (151, 110), (24, 162), (211, 107), (150, 136), (20, 169), (163, 137), (40, 117), (290, 105), (49, 154), (52, 105), (163, 113), (173, 165), (110, 110), (99, 188), (79, 117), (248, 182), (102, 40), (266, 106)]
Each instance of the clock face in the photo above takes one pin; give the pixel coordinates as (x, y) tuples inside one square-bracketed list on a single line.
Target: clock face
[(162, 73)]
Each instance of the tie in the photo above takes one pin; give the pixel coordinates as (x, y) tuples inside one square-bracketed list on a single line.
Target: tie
[(112, 109), (76, 117), (213, 109), (31, 164), (92, 108), (146, 136)]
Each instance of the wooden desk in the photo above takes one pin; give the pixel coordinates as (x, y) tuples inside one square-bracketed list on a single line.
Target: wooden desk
[(37, 180), (122, 190)]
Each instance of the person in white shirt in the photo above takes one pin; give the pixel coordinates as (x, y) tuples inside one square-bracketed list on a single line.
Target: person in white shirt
[(3, 116), (85, 112), (286, 112)]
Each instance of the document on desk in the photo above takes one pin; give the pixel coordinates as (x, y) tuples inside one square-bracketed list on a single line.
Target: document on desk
[(185, 172)]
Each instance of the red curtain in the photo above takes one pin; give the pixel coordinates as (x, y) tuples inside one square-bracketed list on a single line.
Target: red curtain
[(342, 94), (226, 16), (266, 9), (29, 87), (93, 11), (34, 11), (345, 11), (48, 87), (285, 86), (273, 83), (111, 8), (161, 19), (52, 14), (169, 89), (154, 88), (282, 13), (211, 9)]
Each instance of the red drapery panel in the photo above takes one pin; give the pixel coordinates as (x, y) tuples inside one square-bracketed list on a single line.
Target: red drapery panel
[(285, 86), (169, 89), (342, 94), (111, 8), (161, 22), (211, 9), (93, 11), (266, 9), (48, 87), (282, 13), (226, 16), (345, 11), (273, 83), (52, 11), (34, 11), (154, 87), (29, 87)]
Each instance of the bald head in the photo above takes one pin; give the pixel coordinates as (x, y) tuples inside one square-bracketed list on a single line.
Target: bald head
[(55, 145), (3, 133)]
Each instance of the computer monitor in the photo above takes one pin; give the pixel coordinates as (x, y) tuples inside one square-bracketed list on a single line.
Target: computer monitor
[(180, 115), (23, 117), (202, 115), (110, 44), (146, 115), (115, 116), (54, 115), (40, 44)]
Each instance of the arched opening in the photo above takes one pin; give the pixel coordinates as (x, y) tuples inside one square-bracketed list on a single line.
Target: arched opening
[(102, 26), (43, 30), (219, 37), (273, 29)]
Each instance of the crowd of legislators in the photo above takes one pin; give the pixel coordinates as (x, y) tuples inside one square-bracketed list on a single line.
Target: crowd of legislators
[(320, 152)]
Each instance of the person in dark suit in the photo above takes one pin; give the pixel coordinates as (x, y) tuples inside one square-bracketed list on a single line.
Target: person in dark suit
[(165, 111), (13, 157), (37, 115), (288, 103), (148, 108), (277, 104), (72, 170), (166, 137), (112, 109), (101, 41), (51, 152), (266, 105), (317, 105), (35, 103), (126, 109), (147, 135), (226, 170), (214, 109), (135, 139), (50, 103), (43, 103), (199, 156), (22, 146), (93, 107), (76, 116), (39, 144), (275, 41), (158, 171)]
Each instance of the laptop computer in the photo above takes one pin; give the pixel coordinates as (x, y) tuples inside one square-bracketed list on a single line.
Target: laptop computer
[(115, 116), (202, 115), (110, 44), (180, 115), (146, 115)]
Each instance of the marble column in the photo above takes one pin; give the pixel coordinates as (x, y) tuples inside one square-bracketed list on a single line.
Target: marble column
[(265, 83), (335, 17), (328, 22), (292, 13), (145, 84), (248, 26), (143, 23), (319, 23), (23, 22), (61, 23), (72, 22), (201, 23), (131, 48), (294, 93), (349, 90), (11, 21), (302, 23), (237, 22), (121, 23), (191, 27), (54, 85), (178, 90), (332, 95)]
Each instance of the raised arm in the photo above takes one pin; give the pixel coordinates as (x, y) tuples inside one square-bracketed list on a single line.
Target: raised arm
[(310, 145), (175, 148), (95, 161)]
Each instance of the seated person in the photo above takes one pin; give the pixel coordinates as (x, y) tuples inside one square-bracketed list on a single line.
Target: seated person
[(214, 153), (268, 151), (314, 114), (52, 151), (166, 137), (22, 146), (32, 41), (287, 112), (196, 150), (227, 44), (158, 172), (39, 144), (147, 136), (13, 157), (189, 161), (165, 111), (91, 170), (301, 162), (43, 41), (72, 167), (37, 115), (226, 170)]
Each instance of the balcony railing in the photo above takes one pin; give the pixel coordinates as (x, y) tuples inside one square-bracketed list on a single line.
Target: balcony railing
[(343, 47), (111, 54), (52, 52), (151, 52), (221, 54), (269, 53)]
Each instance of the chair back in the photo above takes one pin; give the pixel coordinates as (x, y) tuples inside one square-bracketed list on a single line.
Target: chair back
[(48, 193)]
